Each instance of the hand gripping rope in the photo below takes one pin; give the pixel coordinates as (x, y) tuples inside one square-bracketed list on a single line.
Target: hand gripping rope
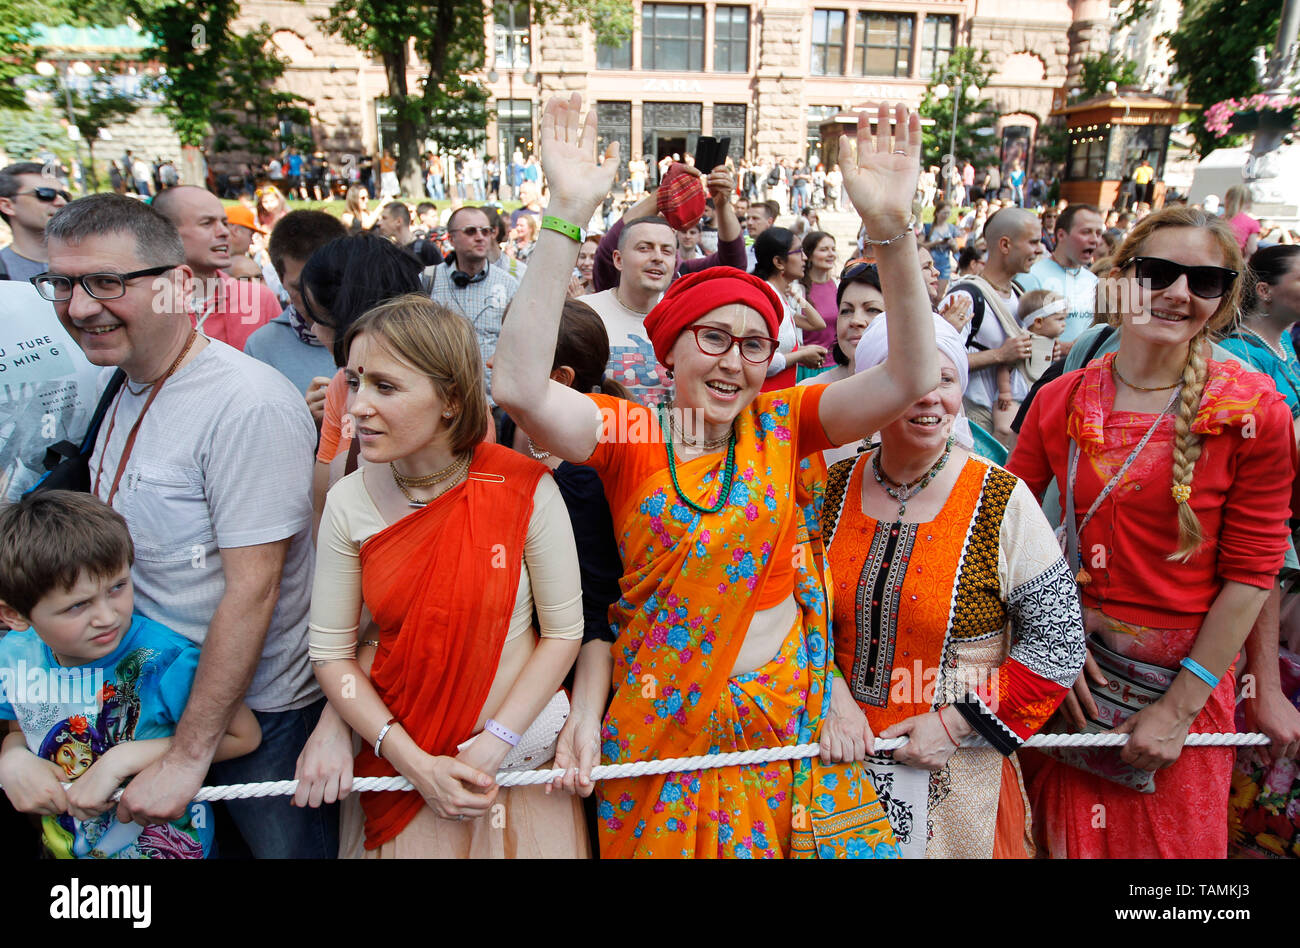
[(641, 768)]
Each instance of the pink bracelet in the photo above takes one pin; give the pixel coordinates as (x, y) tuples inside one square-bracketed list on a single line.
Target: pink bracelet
[(496, 730)]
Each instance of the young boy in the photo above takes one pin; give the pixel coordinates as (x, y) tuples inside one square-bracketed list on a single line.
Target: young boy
[(1042, 313), (92, 692)]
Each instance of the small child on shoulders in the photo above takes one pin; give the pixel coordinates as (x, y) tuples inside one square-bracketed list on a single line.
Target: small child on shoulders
[(91, 692), (1042, 314)]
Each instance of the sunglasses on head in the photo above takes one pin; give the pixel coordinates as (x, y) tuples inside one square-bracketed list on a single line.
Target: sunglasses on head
[(1209, 283), (48, 194)]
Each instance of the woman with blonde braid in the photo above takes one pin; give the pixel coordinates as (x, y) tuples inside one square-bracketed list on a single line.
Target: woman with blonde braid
[(1177, 466)]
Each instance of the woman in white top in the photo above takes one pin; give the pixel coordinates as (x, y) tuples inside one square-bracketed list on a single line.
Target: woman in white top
[(452, 544), (779, 260)]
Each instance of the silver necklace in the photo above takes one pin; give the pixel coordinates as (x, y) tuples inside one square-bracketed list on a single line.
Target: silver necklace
[(1279, 351)]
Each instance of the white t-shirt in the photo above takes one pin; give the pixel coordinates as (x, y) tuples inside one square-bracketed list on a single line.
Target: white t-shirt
[(631, 356), (48, 389), (788, 336), (983, 386), (1078, 286), (222, 459)]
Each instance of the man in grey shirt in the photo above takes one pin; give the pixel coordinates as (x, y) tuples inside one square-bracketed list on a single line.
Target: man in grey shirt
[(28, 198), (208, 456)]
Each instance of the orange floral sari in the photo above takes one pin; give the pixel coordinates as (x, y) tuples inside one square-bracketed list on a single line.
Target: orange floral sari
[(690, 587)]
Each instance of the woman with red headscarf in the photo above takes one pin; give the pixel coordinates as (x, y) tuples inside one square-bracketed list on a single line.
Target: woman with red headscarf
[(723, 641)]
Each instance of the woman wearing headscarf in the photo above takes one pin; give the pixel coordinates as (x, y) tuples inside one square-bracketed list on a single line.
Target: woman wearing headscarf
[(722, 633), (955, 616)]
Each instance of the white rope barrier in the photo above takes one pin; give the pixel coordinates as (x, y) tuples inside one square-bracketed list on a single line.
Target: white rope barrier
[(642, 768)]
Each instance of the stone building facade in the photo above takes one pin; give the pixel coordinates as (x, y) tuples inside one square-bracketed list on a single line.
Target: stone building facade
[(764, 73)]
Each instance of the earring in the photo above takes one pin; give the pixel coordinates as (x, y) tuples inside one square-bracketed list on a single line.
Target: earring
[(448, 414), (668, 372)]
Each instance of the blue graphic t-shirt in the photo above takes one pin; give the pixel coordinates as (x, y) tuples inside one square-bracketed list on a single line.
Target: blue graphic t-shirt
[(72, 716)]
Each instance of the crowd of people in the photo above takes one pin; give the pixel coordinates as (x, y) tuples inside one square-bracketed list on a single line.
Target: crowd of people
[(441, 494)]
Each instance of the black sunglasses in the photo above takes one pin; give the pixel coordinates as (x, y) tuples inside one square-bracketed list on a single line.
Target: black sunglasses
[(47, 194), (1209, 283), (856, 270)]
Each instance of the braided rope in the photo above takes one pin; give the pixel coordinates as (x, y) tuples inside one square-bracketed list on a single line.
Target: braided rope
[(642, 768)]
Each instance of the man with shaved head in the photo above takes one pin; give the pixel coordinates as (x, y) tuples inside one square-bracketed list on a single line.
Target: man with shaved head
[(1013, 236), (223, 308)]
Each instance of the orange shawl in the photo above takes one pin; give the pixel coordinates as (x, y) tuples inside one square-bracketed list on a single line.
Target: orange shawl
[(441, 585)]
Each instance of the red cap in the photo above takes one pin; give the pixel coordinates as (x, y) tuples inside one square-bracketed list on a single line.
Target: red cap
[(692, 296)]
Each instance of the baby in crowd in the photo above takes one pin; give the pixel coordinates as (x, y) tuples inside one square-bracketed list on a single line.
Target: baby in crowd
[(1042, 314)]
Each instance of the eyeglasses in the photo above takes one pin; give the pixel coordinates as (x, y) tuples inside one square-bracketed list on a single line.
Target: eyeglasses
[(475, 231), (57, 288), (47, 194), (796, 252), (1209, 283), (718, 342)]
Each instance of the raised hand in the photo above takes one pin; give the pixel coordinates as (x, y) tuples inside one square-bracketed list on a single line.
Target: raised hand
[(881, 179), (578, 176)]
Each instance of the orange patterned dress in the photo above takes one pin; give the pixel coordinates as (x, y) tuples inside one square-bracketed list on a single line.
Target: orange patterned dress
[(975, 608), (692, 581)]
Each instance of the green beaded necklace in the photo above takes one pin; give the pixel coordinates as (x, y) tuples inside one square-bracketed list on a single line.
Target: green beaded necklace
[(729, 475)]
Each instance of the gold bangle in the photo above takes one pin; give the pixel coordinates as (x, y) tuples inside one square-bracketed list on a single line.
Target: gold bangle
[(373, 642)]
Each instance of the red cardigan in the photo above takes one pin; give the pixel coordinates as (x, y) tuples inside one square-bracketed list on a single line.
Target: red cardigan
[(1241, 492)]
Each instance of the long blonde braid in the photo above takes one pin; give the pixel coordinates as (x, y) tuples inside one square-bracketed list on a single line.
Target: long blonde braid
[(1187, 448), (1187, 445)]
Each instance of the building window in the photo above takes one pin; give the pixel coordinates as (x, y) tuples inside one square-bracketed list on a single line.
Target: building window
[(938, 37), (672, 37), (614, 57), (614, 124), (731, 39), (512, 37), (514, 127), (729, 122), (828, 43), (817, 114), (1087, 157), (884, 45)]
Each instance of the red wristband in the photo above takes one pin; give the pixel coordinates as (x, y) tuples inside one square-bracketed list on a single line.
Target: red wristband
[(945, 727)]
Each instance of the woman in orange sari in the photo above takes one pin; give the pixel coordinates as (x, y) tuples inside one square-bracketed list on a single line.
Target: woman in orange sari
[(722, 626), (452, 544)]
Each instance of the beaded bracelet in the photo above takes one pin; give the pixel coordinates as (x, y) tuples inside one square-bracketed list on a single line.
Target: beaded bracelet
[(911, 222), (572, 231), (1200, 671)]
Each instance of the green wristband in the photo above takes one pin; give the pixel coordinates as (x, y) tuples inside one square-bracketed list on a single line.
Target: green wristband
[(572, 231)]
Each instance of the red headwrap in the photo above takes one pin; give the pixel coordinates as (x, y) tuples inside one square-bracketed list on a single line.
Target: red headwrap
[(681, 197), (692, 296)]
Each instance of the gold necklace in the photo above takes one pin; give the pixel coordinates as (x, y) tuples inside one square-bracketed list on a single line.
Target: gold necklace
[(709, 444), (1114, 367), (424, 480), (452, 479)]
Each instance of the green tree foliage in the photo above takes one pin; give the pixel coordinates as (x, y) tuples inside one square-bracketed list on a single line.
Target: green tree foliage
[(192, 40), (17, 54), (18, 49), (93, 110), (1097, 71), (1213, 47), (971, 68), (447, 36), (251, 106)]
